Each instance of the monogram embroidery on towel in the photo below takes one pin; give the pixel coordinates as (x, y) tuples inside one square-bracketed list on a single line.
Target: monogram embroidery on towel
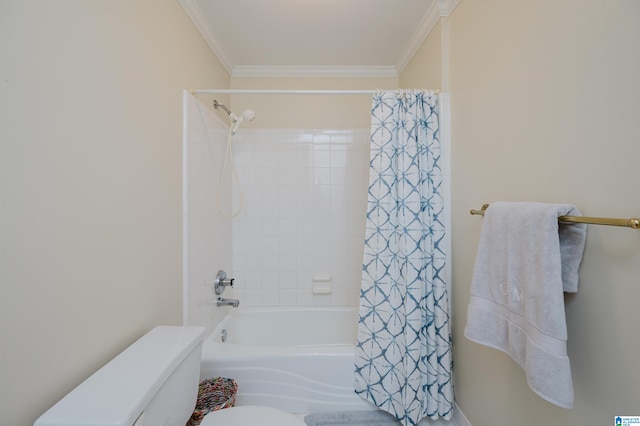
[(513, 292)]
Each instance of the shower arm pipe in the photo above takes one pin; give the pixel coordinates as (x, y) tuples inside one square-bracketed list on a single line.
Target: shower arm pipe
[(217, 104), (282, 92)]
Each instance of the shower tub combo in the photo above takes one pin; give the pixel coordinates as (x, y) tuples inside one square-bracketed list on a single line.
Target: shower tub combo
[(296, 359)]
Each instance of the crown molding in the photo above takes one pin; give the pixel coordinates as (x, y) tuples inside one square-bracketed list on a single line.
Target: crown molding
[(439, 9), (446, 7), (314, 71), (197, 17)]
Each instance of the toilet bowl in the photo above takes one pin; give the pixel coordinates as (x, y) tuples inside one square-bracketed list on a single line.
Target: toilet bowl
[(153, 382), (251, 415)]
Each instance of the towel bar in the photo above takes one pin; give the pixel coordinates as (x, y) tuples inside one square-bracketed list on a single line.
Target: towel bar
[(633, 223)]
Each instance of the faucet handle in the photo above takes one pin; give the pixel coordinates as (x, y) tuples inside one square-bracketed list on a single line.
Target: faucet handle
[(221, 282)]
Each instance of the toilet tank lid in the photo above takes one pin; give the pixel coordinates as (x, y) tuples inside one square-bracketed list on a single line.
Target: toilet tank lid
[(118, 392)]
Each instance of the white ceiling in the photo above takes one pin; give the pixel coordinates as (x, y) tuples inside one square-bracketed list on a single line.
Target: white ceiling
[(319, 37)]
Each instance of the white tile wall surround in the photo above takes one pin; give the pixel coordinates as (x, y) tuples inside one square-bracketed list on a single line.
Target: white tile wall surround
[(304, 211), (305, 195), (207, 242)]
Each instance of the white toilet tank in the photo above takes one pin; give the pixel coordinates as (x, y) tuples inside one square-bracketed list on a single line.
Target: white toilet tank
[(153, 382)]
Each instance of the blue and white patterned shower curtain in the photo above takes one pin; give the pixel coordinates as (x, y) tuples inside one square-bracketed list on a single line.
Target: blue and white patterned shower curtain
[(403, 358)]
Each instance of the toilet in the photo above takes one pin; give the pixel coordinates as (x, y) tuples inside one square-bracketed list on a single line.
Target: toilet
[(153, 382)]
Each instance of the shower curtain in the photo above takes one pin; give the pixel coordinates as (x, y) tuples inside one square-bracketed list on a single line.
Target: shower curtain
[(403, 358)]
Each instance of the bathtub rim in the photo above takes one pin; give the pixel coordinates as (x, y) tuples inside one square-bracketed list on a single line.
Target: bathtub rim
[(214, 349)]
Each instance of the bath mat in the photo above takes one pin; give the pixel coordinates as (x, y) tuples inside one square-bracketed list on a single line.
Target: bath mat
[(351, 418)]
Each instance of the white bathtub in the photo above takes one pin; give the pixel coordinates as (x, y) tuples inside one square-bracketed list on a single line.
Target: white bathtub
[(297, 359)]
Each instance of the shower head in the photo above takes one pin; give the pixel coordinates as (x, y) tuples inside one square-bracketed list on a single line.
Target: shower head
[(248, 115)]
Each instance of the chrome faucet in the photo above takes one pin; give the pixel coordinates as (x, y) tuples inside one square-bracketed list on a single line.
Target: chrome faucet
[(221, 282), (227, 302)]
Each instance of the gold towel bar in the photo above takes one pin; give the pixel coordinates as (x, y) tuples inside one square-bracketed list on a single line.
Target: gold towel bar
[(629, 223)]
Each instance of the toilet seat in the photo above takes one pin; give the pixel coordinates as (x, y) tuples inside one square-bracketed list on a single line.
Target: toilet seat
[(251, 415)]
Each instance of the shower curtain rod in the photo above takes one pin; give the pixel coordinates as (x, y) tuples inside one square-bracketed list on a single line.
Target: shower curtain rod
[(282, 92)]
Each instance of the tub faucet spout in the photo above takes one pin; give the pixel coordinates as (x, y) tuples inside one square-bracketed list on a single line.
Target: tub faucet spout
[(228, 302)]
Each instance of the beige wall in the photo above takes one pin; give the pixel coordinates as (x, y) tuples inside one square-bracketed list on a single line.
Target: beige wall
[(309, 111), (90, 166), (424, 71), (545, 99)]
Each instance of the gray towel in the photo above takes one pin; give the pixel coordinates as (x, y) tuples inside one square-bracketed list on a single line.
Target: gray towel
[(525, 260)]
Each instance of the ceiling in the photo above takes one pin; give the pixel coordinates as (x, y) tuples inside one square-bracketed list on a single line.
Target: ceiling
[(315, 37)]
